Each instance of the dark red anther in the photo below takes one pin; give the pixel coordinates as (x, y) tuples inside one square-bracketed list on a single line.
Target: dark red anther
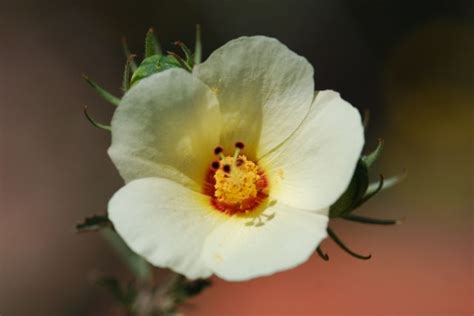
[(239, 162), (215, 165), (226, 168), (218, 150), (239, 145)]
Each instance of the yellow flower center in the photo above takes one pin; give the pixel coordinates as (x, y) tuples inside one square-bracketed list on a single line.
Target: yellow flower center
[(235, 183), (237, 180)]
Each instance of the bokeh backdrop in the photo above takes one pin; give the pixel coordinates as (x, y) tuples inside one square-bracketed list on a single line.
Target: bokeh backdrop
[(411, 63)]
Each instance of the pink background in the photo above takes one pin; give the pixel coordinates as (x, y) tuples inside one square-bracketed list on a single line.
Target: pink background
[(409, 63)]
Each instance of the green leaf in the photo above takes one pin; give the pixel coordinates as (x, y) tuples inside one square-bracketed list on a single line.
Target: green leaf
[(373, 156), (127, 53), (153, 64), (354, 192), (94, 122), (102, 92), (93, 223), (137, 265), (198, 46), (152, 46)]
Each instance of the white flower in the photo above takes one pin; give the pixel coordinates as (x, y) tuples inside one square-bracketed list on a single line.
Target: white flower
[(231, 170)]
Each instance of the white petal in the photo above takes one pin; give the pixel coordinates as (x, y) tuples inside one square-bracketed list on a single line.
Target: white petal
[(165, 223), (315, 165), (236, 251), (264, 90), (166, 126)]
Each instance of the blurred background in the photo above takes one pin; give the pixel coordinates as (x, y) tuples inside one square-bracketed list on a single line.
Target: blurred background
[(411, 63)]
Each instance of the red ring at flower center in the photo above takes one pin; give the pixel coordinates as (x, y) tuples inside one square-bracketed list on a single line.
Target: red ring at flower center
[(235, 184)]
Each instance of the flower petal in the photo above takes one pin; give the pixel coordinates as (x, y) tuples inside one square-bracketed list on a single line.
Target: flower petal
[(315, 165), (166, 126), (165, 223), (238, 251), (264, 91)]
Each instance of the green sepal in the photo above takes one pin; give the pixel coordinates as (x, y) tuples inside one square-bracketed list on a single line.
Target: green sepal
[(323, 255), (127, 54), (198, 46), (107, 96), (194, 287), (152, 65), (366, 118), (368, 195), (152, 46), (94, 122), (370, 220), (187, 53), (344, 247), (182, 289), (127, 73), (387, 183), (354, 192), (373, 156), (93, 223), (183, 63)]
